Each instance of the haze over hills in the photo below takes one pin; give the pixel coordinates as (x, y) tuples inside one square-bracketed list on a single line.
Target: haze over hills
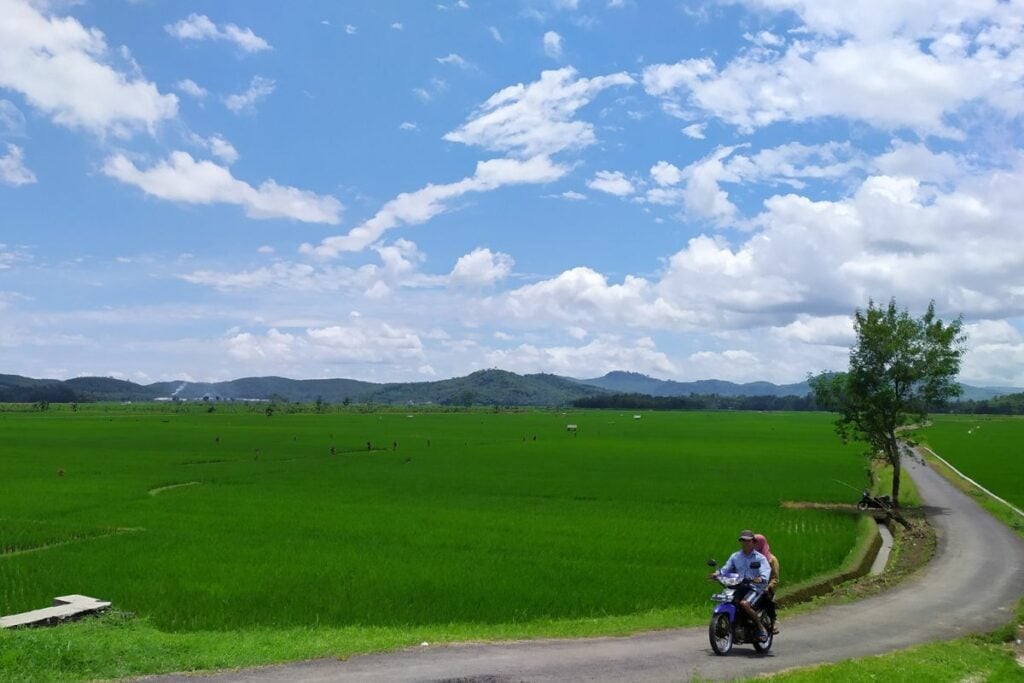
[(484, 387)]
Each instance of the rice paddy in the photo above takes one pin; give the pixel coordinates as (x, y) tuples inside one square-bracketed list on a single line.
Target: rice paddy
[(232, 520), (988, 449)]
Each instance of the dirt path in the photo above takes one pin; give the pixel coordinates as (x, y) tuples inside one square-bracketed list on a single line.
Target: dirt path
[(972, 584)]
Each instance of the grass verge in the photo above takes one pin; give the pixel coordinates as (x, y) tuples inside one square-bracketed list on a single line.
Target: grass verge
[(994, 657)]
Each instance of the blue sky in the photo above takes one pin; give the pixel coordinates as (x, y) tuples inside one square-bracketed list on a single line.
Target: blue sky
[(398, 191)]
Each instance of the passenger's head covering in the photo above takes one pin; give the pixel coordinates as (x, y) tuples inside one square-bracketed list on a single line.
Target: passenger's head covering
[(761, 545)]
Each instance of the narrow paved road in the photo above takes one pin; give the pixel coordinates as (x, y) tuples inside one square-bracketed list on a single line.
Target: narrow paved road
[(972, 584)]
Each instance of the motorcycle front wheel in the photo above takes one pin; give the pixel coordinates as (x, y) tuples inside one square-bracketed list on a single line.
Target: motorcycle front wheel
[(720, 634)]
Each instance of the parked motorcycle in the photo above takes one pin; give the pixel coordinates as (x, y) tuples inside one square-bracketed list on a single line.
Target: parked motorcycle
[(730, 625), (867, 501)]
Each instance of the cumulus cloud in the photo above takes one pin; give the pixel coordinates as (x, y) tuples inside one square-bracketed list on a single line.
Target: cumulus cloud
[(481, 267), (414, 208), (853, 63), (552, 45), (259, 89), (360, 340), (611, 182), (200, 27), (995, 354), (183, 179), (791, 164), (495, 33), (12, 168), (64, 69), (538, 118)]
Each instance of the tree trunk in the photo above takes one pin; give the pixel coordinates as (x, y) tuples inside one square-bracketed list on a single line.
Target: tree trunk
[(895, 460)]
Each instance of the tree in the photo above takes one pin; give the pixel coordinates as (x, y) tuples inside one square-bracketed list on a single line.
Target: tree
[(900, 368)]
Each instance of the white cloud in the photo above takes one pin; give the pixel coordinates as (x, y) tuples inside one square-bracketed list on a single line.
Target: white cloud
[(584, 296), (361, 340), (572, 195), (183, 179), (880, 19), (398, 26), (481, 267), (266, 249), (200, 27), (408, 125), (596, 358), (259, 89), (216, 145), (62, 68), (612, 182), (223, 150), (695, 131), (350, 29), (553, 45), (190, 87), (455, 60), (12, 168), (835, 330), (931, 59), (495, 33), (917, 161), (995, 354), (526, 120), (414, 208), (791, 164), (665, 174), (12, 121)]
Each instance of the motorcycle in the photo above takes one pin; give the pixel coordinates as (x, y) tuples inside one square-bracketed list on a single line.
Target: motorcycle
[(730, 625), (867, 501)]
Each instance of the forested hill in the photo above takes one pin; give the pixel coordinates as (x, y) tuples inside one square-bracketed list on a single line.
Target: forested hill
[(485, 387)]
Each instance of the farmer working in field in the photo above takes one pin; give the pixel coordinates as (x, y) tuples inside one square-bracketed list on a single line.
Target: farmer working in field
[(747, 594)]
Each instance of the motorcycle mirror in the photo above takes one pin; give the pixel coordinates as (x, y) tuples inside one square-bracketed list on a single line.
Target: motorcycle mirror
[(755, 565), (711, 563)]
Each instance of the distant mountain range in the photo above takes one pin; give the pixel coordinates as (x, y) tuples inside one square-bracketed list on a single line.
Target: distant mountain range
[(485, 387)]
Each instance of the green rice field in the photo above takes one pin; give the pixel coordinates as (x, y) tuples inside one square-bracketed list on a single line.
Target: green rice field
[(231, 520), (988, 449)]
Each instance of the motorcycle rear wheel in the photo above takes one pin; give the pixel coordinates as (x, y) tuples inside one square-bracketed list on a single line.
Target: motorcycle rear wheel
[(720, 634), (769, 625)]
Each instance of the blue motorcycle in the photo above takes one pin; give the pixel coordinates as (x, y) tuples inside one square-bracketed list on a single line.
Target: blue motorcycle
[(730, 625)]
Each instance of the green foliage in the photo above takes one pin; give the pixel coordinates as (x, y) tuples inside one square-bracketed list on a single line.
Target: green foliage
[(900, 368)]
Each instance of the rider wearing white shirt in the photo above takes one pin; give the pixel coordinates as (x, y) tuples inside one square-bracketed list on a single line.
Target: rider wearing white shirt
[(739, 563)]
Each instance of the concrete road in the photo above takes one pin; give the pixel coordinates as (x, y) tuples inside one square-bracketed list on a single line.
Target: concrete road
[(971, 585)]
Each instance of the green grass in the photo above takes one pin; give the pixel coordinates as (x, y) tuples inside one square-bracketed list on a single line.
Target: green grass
[(990, 658), (969, 659), (988, 449), (486, 532)]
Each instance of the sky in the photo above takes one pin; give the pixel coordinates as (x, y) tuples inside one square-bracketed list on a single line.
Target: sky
[(410, 191)]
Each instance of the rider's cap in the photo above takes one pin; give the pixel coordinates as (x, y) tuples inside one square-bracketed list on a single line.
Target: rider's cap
[(746, 535)]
